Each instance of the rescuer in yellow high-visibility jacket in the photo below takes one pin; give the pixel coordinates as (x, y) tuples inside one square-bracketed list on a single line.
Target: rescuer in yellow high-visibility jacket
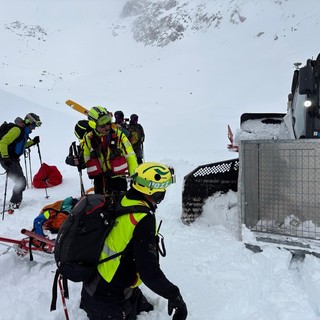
[(107, 152), (113, 293)]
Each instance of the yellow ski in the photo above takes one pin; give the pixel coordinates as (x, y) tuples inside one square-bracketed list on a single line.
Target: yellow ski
[(76, 106)]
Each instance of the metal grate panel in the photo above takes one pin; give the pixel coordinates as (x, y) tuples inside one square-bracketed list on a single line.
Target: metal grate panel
[(205, 181), (280, 187)]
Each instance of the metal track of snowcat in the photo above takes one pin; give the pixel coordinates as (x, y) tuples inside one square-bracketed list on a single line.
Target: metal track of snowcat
[(204, 182)]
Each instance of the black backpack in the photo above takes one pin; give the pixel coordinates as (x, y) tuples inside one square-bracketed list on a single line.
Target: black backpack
[(81, 238), (81, 128)]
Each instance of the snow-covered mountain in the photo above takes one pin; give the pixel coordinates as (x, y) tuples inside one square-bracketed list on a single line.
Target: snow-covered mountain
[(188, 68), (163, 22)]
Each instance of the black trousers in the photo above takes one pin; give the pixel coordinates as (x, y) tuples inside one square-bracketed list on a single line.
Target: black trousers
[(114, 307), (106, 183), (138, 150), (15, 173), (98, 309)]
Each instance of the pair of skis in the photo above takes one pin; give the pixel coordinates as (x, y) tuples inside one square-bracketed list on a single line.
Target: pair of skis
[(78, 107)]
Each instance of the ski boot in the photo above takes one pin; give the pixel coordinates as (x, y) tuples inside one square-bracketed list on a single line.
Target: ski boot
[(12, 207)]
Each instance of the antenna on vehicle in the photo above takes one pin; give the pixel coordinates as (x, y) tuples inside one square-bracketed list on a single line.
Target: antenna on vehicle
[(297, 65)]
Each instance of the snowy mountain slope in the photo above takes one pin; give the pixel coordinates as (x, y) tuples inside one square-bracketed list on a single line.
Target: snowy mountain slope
[(57, 129)]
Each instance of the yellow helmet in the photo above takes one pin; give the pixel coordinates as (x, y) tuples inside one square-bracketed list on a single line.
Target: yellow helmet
[(153, 178), (98, 116)]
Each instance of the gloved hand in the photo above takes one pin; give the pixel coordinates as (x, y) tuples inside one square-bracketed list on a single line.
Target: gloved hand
[(177, 303), (36, 140), (7, 162), (72, 161)]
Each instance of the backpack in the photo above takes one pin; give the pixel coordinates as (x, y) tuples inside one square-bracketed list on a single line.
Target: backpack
[(47, 176), (58, 212), (5, 127), (137, 134), (81, 128), (81, 238), (54, 224)]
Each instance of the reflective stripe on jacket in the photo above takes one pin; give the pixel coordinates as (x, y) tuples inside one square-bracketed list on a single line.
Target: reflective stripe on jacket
[(106, 151)]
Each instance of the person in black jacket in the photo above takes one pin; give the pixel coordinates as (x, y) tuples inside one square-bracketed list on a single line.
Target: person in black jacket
[(137, 137), (113, 293), (121, 121)]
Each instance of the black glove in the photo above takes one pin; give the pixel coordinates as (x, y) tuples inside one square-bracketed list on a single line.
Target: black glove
[(36, 140), (177, 303), (7, 162), (71, 161)]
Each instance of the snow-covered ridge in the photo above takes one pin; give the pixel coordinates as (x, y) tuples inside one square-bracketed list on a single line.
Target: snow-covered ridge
[(163, 22), (23, 30), (160, 23)]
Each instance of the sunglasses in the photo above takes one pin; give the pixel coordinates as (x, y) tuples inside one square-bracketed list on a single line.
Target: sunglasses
[(35, 124), (102, 126)]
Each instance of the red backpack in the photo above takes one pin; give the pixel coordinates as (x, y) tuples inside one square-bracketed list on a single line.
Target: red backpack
[(47, 176)]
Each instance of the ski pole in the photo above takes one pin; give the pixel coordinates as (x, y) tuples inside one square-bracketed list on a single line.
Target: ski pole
[(5, 195), (77, 153), (142, 152), (43, 177), (63, 298), (30, 169), (25, 167)]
